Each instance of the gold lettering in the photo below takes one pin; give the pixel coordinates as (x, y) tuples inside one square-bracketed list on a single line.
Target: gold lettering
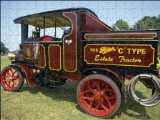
[(132, 60), (136, 51), (92, 49), (96, 58), (120, 50), (129, 50), (139, 51), (96, 50), (143, 51), (104, 50), (103, 58)]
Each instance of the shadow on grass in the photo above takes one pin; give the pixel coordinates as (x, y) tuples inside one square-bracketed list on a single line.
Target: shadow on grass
[(67, 92), (133, 109)]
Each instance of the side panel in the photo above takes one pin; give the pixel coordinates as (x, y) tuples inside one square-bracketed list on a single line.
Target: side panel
[(90, 23), (139, 55), (70, 49), (126, 56), (29, 51), (41, 57), (54, 57)]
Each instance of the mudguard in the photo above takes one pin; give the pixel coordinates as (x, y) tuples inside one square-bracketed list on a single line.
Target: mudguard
[(28, 73)]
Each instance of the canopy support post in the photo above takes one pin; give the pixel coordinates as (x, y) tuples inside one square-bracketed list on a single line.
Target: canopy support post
[(24, 32), (55, 29), (44, 25)]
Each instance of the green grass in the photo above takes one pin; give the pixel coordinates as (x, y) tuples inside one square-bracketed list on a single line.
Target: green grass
[(4, 61), (61, 104)]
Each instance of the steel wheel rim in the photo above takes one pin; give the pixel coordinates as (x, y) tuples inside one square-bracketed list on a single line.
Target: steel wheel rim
[(10, 78), (97, 97)]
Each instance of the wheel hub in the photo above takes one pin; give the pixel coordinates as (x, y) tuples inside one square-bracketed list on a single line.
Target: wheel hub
[(97, 96), (9, 78)]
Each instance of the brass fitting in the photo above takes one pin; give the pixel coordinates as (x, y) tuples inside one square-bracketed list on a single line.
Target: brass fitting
[(11, 56)]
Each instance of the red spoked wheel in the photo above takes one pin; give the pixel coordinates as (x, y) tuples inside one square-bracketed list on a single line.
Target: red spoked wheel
[(11, 78), (99, 96)]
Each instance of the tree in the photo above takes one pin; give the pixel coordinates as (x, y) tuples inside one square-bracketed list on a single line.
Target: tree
[(148, 22), (4, 50), (121, 25)]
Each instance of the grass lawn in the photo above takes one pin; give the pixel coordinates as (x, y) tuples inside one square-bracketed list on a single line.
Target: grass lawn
[(61, 104)]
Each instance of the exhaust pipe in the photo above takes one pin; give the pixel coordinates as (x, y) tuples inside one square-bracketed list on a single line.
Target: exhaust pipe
[(154, 99)]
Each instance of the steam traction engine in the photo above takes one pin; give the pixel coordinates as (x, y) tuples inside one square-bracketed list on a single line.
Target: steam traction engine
[(91, 53)]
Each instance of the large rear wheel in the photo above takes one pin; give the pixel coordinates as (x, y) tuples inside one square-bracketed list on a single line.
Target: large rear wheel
[(98, 95), (11, 78)]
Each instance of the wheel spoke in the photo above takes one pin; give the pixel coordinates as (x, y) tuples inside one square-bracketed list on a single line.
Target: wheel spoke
[(14, 78), (11, 70), (111, 97), (14, 73), (97, 106), (13, 84), (104, 107), (108, 90), (88, 98), (8, 74), (89, 86), (87, 91), (91, 103), (8, 82), (97, 84), (17, 77), (108, 100), (2, 78)]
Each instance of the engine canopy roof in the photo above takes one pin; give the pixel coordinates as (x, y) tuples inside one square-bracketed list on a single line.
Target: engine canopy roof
[(50, 18)]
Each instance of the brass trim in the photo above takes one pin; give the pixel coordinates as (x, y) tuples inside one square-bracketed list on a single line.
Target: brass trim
[(155, 35)]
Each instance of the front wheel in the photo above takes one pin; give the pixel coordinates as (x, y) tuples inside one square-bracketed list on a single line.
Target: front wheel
[(11, 78), (98, 95)]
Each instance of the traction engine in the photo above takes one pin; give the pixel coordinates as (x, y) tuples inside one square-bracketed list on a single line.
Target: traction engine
[(89, 52)]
